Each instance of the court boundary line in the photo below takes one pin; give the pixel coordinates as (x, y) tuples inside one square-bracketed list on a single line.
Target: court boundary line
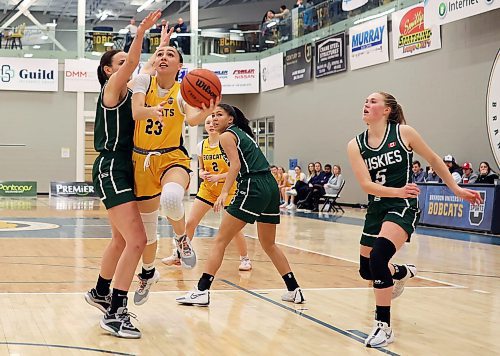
[(7, 343), (346, 259), (307, 316)]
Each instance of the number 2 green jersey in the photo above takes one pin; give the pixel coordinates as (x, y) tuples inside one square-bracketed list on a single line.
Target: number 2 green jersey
[(389, 164)]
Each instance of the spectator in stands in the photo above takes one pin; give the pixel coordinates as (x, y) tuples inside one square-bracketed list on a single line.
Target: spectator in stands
[(179, 28), (284, 23), (299, 180), (316, 188), (486, 175), (469, 177), (453, 167), (132, 31), (335, 182), (303, 189), (283, 185), (431, 176), (299, 4), (266, 30), (162, 25), (285, 13), (418, 175), (274, 172), (311, 172)]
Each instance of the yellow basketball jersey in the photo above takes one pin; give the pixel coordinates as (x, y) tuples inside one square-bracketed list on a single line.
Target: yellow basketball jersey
[(214, 161), (151, 134)]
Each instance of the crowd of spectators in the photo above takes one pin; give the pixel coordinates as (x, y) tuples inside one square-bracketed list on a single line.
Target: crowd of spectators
[(463, 174)]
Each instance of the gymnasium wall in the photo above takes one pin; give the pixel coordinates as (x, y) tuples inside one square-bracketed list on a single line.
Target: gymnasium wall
[(443, 94)]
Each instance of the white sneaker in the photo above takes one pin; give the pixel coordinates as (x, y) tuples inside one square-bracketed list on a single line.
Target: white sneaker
[(173, 260), (188, 256), (294, 296), (284, 205), (291, 207), (195, 297), (291, 192), (245, 264), (141, 295), (399, 285), (381, 335)]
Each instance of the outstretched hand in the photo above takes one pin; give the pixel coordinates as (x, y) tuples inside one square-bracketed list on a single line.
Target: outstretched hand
[(471, 196), (149, 21), (166, 33)]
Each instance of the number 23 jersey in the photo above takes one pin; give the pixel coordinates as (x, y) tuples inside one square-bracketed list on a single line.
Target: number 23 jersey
[(152, 133)]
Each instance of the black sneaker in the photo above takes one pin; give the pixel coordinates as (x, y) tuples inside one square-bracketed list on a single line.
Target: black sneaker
[(100, 302), (119, 324)]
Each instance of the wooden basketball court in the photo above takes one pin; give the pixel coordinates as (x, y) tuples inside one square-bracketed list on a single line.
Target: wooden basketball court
[(50, 255)]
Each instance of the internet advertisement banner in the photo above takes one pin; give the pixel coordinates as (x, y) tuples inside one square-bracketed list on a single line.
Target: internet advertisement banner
[(72, 189), (17, 189), (237, 77), (331, 55), (443, 208), (369, 44), (438, 12), (410, 36), (81, 75), (271, 72), (28, 74), (298, 65)]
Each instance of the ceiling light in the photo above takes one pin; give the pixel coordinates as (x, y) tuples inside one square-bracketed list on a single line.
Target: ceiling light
[(104, 15), (235, 31), (36, 47), (44, 37), (368, 18), (146, 4), (28, 55), (218, 55), (240, 51), (269, 41)]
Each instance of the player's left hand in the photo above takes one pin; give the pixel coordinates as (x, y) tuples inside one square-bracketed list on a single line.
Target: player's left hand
[(213, 178), (471, 196), (165, 36), (219, 203), (208, 110), (149, 21)]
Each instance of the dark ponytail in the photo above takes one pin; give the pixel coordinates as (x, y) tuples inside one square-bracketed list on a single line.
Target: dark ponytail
[(239, 119), (106, 61), (397, 116)]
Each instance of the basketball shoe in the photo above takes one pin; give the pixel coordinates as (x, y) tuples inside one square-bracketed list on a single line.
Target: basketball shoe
[(119, 324), (245, 264), (141, 295), (173, 260), (195, 297), (186, 252), (399, 285), (294, 296), (100, 302), (381, 335)]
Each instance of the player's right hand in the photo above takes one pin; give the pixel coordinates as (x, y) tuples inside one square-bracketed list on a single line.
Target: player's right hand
[(219, 203), (149, 21), (157, 110), (410, 190), (471, 196)]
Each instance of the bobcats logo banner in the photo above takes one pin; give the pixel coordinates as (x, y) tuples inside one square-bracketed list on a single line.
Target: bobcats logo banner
[(476, 212)]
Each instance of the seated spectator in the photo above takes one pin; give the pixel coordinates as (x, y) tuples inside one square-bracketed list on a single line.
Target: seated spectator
[(283, 184), (469, 177), (453, 167), (274, 172), (311, 172), (335, 182), (162, 25), (418, 175), (431, 176), (316, 189), (486, 175), (300, 179)]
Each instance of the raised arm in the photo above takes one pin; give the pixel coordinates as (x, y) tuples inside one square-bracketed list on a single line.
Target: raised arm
[(165, 40), (119, 79), (416, 143), (364, 179), (228, 142)]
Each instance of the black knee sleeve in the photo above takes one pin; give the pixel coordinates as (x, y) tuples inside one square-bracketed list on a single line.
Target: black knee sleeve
[(364, 268), (381, 254)]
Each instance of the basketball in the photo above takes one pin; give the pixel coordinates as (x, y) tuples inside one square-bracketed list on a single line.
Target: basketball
[(199, 86)]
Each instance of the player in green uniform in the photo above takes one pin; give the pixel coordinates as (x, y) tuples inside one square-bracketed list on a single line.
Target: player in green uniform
[(257, 199), (113, 178), (381, 158)]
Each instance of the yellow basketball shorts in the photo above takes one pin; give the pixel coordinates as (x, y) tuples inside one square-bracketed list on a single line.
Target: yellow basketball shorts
[(151, 166), (209, 192)]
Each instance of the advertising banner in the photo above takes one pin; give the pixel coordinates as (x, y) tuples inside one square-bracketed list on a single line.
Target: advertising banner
[(410, 36), (298, 65), (28, 74), (442, 208), (438, 12), (72, 189), (271, 72), (81, 75), (369, 44), (331, 55), (493, 109), (237, 77), (14, 189)]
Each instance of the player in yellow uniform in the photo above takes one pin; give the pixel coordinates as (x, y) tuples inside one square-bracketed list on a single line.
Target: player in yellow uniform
[(213, 171), (161, 163)]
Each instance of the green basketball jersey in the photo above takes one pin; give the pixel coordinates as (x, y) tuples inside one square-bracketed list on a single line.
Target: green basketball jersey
[(390, 163), (251, 157), (114, 127)]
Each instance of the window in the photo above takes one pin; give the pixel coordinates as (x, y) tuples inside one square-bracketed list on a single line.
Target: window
[(263, 130)]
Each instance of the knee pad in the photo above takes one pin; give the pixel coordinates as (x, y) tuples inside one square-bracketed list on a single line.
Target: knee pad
[(171, 200), (381, 254), (364, 268), (150, 221)]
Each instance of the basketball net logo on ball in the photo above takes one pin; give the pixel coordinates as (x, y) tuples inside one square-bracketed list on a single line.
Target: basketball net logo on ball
[(200, 86)]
